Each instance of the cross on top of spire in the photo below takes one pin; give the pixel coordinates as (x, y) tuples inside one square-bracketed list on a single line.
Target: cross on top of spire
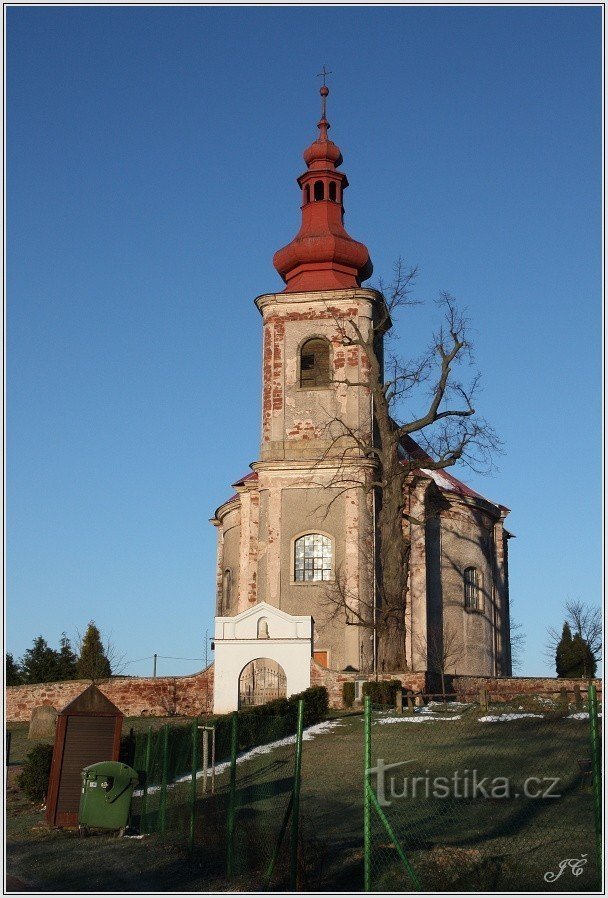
[(324, 92), (323, 75)]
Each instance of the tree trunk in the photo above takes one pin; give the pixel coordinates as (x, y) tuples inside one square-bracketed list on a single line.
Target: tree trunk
[(393, 570)]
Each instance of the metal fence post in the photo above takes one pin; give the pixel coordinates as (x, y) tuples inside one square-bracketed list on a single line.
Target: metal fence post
[(232, 795), (193, 783), (144, 797), (367, 844), (295, 814), (596, 753), (162, 808)]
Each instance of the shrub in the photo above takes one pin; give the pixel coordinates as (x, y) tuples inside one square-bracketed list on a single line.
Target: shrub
[(348, 694), (382, 692), (260, 724), (316, 704), (34, 778)]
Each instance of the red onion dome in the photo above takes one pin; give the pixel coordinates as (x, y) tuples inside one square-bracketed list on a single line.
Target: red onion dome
[(322, 255)]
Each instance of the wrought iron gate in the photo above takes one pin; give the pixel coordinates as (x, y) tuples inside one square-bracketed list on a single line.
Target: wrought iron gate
[(261, 681)]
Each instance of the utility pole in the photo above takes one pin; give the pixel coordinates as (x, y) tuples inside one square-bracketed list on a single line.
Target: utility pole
[(154, 669)]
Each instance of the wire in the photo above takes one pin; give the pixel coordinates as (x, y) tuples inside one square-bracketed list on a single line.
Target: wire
[(173, 658), (147, 658)]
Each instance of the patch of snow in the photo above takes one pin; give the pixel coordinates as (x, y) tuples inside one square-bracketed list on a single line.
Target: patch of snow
[(439, 479), (309, 733), (416, 719), (581, 715), (495, 718), (450, 704)]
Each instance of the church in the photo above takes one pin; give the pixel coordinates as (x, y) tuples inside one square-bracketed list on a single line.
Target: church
[(290, 533)]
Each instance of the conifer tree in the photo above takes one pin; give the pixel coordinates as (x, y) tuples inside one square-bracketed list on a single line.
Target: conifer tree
[(40, 664), (583, 662), (573, 656), (67, 660), (563, 652), (93, 663), (12, 671)]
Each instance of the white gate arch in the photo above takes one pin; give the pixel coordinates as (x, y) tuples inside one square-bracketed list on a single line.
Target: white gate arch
[(260, 631)]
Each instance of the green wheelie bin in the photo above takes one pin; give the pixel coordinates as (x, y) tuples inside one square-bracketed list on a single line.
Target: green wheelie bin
[(105, 800)]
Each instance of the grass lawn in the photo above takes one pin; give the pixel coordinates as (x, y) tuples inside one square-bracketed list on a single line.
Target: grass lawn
[(453, 843)]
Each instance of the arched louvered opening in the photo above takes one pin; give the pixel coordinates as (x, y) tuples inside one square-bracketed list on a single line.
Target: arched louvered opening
[(319, 190), (314, 363), (307, 194), (332, 191)]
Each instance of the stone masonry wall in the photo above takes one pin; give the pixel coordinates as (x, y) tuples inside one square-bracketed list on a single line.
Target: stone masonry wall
[(503, 688), (189, 696), (334, 679), (134, 696)]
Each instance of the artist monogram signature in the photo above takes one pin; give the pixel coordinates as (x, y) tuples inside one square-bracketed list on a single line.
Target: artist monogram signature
[(576, 864)]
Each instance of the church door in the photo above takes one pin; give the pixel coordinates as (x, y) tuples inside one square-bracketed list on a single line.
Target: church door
[(261, 681)]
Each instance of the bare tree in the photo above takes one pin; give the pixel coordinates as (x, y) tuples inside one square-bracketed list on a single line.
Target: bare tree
[(518, 642), (585, 621), (423, 397), (444, 649)]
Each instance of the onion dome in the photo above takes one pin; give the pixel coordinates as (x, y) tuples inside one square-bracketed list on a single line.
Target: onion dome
[(322, 256)]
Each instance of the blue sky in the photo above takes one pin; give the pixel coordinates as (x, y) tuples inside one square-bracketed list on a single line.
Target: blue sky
[(151, 163)]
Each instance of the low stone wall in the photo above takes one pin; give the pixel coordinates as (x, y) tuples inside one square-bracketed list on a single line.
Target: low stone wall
[(504, 688), (189, 696), (333, 680), (134, 696)]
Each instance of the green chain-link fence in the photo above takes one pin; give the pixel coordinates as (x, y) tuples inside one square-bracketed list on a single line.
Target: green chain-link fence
[(167, 799), (470, 797), (238, 816), (263, 809)]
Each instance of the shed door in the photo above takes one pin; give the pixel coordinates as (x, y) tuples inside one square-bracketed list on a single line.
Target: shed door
[(87, 741)]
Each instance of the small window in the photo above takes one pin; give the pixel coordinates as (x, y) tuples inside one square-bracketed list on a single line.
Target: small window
[(332, 191), (226, 589), (472, 589), (313, 557), (314, 363), (319, 191), (307, 193)]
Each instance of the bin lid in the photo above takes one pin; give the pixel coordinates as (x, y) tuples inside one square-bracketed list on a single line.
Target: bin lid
[(109, 768)]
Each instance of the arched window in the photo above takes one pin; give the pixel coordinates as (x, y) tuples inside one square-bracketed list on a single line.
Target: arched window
[(263, 628), (314, 363), (332, 191), (312, 558), (319, 190), (472, 589), (226, 587), (307, 193)]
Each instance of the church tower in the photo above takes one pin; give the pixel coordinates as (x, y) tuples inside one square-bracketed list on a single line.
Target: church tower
[(303, 527), (315, 532)]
